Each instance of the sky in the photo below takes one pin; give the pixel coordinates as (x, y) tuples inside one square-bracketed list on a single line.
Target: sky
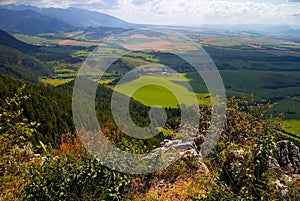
[(186, 12)]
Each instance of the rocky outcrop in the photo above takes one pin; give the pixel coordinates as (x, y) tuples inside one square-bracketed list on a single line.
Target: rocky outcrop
[(186, 145), (288, 156), (189, 148)]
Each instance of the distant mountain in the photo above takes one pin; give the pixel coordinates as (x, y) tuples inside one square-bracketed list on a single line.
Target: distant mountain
[(75, 17), (19, 7), (10, 41), (84, 18), (30, 22)]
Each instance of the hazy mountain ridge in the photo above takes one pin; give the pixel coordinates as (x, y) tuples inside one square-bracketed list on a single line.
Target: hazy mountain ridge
[(56, 19), (30, 22), (84, 18), (78, 18)]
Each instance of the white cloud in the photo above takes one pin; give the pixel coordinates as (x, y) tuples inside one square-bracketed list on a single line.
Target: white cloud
[(187, 12), (195, 12)]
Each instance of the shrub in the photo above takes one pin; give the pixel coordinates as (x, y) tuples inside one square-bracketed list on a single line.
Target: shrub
[(16, 148), (70, 173), (68, 178), (241, 158)]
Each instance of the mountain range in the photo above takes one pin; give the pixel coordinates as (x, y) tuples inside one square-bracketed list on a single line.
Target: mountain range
[(27, 19), (30, 22), (33, 20)]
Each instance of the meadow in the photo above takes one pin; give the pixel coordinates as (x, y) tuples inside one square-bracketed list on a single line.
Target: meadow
[(55, 82), (155, 90)]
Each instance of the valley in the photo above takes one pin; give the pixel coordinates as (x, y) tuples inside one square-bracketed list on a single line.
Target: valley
[(248, 66), (65, 81)]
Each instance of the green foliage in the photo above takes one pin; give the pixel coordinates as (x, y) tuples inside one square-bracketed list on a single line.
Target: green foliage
[(68, 178), (239, 165), (15, 129), (241, 158), (173, 61), (10, 41), (49, 106), (16, 134), (16, 64)]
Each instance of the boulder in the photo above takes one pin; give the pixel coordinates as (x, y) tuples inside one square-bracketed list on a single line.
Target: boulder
[(188, 147), (288, 156)]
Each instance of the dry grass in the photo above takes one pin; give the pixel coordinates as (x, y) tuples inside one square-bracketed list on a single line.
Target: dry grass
[(185, 180), (74, 42), (159, 46), (185, 187)]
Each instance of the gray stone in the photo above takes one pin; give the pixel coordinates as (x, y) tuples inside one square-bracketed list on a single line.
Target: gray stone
[(187, 147), (288, 156)]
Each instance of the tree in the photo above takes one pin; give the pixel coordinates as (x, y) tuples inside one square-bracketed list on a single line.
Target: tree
[(16, 148), (15, 129)]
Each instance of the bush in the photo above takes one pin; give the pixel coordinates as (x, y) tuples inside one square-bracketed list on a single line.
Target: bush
[(16, 148), (70, 173), (15, 129), (67, 178), (241, 158)]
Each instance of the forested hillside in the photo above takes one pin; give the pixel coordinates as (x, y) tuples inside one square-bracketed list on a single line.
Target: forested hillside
[(16, 64), (10, 41)]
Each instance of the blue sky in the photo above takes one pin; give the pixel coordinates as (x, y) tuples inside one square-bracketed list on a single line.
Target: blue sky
[(186, 12)]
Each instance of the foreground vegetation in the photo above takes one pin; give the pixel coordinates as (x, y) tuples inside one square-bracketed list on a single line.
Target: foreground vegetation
[(239, 165)]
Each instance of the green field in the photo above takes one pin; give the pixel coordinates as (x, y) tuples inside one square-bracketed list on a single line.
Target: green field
[(239, 41), (292, 126), (134, 62), (161, 90), (279, 87), (81, 53), (291, 130), (36, 39), (144, 56), (55, 82)]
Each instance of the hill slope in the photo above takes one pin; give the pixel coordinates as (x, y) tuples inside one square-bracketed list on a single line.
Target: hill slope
[(16, 64), (10, 41)]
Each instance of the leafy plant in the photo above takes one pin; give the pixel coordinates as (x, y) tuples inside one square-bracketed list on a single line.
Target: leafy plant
[(241, 158), (15, 129), (16, 148), (70, 173)]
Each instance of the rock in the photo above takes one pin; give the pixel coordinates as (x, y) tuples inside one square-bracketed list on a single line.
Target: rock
[(189, 148), (177, 144), (285, 184), (282, 188), (288, 156), (273, 162)]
